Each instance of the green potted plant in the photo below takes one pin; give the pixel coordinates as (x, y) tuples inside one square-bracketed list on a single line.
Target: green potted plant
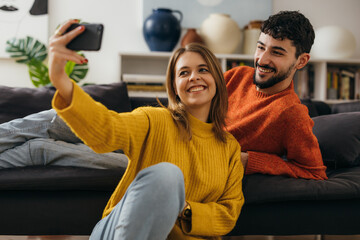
[(33, 53)]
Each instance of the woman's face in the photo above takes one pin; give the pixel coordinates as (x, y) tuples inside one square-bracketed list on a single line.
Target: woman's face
[(194, 84)]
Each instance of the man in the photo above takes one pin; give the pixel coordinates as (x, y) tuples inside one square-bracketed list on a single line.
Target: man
[(265, 114)]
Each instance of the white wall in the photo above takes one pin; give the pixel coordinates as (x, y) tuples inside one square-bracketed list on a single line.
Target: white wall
[(123, 30), (343, 13)]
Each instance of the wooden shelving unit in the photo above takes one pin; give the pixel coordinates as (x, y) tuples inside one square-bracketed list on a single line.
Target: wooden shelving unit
[(150, 67)]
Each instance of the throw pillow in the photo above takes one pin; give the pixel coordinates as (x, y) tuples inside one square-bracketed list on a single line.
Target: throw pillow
[(16, 102), (339, 139), (311, 107)]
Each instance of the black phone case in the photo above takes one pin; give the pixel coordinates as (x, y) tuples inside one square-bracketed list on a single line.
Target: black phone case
[(89, 40)]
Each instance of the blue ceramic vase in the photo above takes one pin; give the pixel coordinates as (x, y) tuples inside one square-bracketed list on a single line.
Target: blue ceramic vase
[(162, 29)]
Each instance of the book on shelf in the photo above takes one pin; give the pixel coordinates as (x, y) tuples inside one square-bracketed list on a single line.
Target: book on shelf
[(357, 84), (343, 83), (304, 82), (151, 87), (235, 63), (145, 82), (332, 81)]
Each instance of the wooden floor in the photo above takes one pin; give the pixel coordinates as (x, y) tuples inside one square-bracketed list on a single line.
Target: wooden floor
[(301, 237), (44, 237)]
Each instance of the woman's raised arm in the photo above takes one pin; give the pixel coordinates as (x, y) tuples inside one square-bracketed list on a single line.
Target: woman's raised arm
[(59, 55)]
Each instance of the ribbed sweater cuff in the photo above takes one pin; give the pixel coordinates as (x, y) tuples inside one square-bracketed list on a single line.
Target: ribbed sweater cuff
[(199, 220), (255, 163)]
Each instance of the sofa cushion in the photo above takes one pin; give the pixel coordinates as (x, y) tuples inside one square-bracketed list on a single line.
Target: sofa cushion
[(343, 183), (339, 139), (16, 102), (59, 178)]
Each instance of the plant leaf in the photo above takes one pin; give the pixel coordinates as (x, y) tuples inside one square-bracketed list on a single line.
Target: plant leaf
[(32, 52), (38, 72), (25, 49), (79, 72), (69, 67)]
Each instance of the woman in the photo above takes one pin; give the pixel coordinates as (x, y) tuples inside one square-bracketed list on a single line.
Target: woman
[(183, 179)]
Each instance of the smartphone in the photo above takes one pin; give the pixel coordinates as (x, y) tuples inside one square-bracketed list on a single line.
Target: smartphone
[(89, 40)]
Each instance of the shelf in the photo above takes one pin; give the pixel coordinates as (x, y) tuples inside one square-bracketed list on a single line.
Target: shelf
[(143, 78), (150, 67), (147, 94), (347, 61), (336, 101)]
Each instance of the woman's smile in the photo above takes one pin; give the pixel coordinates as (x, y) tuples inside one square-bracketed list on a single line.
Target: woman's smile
[(196, 89)]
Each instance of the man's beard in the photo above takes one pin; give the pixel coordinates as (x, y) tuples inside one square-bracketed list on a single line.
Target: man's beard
[(281, 76)]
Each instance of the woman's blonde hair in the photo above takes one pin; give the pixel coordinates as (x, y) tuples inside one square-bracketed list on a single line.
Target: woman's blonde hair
[(219, 104)]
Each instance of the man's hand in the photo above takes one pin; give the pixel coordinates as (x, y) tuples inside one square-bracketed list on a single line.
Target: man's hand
[(244, 158)]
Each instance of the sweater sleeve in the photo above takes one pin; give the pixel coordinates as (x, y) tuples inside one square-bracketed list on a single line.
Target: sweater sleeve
[(304, 158), (219, 218), (101, 129)]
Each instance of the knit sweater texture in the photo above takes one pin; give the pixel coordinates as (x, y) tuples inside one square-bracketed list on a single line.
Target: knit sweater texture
[(275, 130), (212, 169)]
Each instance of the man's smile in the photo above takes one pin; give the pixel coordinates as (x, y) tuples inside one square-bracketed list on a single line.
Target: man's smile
[(265, 69)]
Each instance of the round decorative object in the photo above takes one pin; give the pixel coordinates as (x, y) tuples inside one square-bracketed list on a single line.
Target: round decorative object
[(251, 36), (162, 29), (221, 33), (190, 37), (333, 42)]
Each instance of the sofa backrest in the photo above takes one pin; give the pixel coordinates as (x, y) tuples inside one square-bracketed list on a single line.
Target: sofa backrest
[(319, 108), (16, 102), (346, 107)]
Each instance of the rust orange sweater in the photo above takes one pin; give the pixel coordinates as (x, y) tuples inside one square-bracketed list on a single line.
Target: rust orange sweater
[(269, 127)]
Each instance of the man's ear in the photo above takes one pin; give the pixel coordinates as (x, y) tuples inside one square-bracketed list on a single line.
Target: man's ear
[(303, 59)]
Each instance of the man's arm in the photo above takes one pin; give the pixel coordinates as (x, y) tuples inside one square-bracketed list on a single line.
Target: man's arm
[(304, 158)]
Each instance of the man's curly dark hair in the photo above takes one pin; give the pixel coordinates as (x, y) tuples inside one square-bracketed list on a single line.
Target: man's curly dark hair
[(291, 25)]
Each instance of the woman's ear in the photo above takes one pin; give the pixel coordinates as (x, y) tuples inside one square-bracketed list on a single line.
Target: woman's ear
[(303, 59)]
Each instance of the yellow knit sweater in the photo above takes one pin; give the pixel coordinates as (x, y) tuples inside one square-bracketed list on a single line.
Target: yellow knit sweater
[(212, 170)]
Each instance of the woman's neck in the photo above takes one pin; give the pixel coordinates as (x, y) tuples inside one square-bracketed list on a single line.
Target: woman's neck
[(200, 113)]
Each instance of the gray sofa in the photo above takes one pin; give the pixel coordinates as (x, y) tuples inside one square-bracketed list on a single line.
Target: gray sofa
[(48, 200)]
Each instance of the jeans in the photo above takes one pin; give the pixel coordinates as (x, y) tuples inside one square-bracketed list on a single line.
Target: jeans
[(149, 208), (44, 139)]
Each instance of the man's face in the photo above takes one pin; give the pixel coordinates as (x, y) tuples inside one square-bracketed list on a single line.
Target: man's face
[(274, 61)]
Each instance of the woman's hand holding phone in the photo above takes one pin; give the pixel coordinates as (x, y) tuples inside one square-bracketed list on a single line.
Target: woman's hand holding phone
[(89, 40), (59, 54)]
